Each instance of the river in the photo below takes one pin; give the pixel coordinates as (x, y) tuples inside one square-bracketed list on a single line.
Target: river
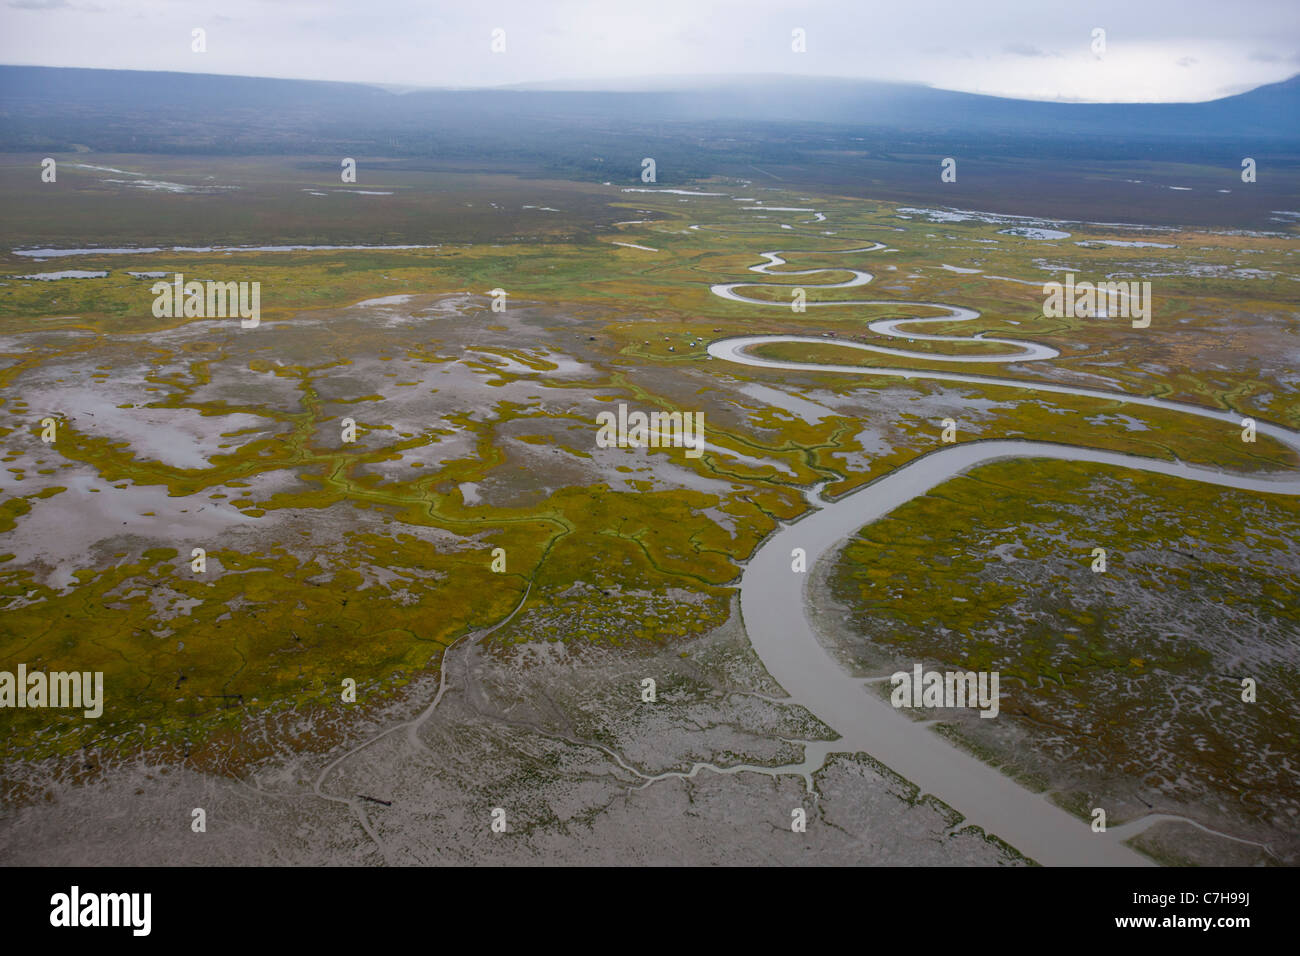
[(774, 599)]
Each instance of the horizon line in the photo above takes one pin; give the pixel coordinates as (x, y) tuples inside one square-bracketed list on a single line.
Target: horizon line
[(587, 85)]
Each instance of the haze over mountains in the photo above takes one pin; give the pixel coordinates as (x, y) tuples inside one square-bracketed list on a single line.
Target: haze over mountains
[(1269, 111), (47, 108), (1154, 163)]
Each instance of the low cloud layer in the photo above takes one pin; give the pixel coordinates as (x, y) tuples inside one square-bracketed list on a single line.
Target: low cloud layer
[(1161, 50)]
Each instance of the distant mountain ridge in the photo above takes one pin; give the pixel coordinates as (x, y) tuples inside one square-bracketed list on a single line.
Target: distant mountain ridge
[(1160, 164), (1269, 112), (835, 130)]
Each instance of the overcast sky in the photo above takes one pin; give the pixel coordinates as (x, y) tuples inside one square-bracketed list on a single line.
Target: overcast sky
[(1155, 50)]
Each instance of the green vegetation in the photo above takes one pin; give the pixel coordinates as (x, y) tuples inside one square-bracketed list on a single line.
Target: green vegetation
[(367, 560), (1135, 672)]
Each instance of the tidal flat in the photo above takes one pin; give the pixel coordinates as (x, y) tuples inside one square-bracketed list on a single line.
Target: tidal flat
[(329, 560)]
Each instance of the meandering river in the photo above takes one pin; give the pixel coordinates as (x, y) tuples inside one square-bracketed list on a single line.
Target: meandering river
[(773, 598)]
